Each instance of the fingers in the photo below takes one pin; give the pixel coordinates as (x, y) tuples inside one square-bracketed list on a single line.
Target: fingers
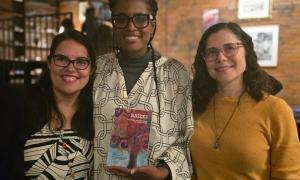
[(142, 173), (121, 171), (150, 172), (119, 168), (142, 170), (145, 173)]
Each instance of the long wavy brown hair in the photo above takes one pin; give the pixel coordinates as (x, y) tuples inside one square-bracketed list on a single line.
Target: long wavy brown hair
[(256, 81)]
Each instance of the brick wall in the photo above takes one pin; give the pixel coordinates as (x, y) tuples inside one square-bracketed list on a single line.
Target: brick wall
[(180, 28)]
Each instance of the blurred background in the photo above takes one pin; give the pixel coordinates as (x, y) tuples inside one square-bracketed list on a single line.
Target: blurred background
[(28, 26)]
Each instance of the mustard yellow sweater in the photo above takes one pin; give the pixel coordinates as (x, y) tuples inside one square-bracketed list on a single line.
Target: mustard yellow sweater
[(260, 142)]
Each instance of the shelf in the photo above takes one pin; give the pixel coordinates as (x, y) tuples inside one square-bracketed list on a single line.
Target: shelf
[(26, 39), (29, 37), (20, 72), (32, 64), (35, 7), (6, 5), (38, 48)]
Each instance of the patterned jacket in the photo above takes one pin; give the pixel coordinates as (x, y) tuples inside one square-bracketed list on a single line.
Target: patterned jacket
[(169, 136)]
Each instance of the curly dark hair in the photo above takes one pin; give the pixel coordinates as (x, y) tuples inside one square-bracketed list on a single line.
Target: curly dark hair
[(152, 4), (256, 81)]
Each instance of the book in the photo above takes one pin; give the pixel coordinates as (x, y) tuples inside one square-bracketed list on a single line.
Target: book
[(129, 139)]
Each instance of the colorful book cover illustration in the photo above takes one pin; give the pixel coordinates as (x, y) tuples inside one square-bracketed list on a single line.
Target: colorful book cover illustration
[(129, 139)]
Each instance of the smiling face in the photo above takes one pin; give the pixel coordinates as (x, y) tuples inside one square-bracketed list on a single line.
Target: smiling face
[(68, 80), (133, 41), (226, 70)]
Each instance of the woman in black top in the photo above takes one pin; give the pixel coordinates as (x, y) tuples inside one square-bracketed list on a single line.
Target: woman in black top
[(57, 125)]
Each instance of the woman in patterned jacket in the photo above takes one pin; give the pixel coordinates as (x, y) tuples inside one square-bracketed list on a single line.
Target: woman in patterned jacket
[(60, 133), (137, 78)]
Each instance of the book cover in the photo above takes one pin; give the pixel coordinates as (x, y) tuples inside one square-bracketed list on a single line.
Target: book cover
[(129, 139)]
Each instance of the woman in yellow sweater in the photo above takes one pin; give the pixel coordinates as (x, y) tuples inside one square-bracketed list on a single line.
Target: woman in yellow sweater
[(242, 131)]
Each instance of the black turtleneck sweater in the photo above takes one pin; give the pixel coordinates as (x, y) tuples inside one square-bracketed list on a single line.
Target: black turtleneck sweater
[(133, 67)]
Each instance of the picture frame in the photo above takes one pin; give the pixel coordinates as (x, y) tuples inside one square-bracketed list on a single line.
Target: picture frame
[(254, 9), (82, 6), (265, 40), (209, 18)]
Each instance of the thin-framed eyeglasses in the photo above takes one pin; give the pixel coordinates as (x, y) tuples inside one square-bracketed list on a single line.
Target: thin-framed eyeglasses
[(228, 50), (140, 21), (79, 63)]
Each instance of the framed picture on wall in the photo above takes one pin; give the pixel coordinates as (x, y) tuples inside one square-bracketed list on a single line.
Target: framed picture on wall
[(82, 6), (265, 40), (209, 18), (250, 9)]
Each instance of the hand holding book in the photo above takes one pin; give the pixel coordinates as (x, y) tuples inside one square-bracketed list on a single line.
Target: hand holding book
[(145, 173)]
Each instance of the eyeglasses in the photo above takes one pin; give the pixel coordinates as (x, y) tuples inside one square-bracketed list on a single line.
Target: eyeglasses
[(140, 21), (80, 63), (228, 50)]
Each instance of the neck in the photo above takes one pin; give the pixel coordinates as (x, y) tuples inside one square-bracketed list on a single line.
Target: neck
[(133, 54), (67, 105), (231, 90)]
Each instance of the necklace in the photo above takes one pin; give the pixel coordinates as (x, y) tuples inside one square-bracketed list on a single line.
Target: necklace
[(66, 153), (216, 144)]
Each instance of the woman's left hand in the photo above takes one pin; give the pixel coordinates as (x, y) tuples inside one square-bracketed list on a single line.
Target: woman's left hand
[(118, 170), (150, 173), (145, 173)]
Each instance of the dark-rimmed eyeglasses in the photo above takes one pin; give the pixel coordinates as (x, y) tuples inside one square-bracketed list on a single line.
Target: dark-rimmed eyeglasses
[(228, 50), (140, 21), (80, 63)]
